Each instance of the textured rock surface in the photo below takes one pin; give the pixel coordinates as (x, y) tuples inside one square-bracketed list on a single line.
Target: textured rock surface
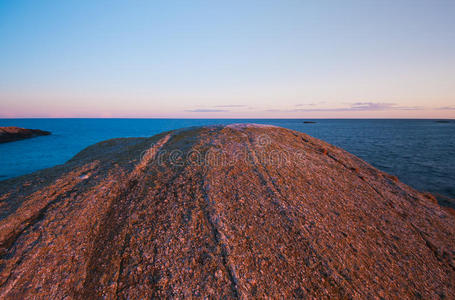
[(264, 211), (10, 134)]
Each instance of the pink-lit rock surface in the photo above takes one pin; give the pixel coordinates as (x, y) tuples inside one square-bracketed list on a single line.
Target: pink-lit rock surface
[(239, 211)]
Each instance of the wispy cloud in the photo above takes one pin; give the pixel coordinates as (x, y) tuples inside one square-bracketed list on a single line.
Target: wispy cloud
[(369, 106), (358, 106), (231, 105), (446, 108), (216, 108), (310, 104), (206, 110)]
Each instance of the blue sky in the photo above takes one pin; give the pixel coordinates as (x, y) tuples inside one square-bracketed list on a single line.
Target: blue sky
[(227, 59)]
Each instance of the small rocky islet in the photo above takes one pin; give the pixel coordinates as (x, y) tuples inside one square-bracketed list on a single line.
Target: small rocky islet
[(11, 134), (235, 211)]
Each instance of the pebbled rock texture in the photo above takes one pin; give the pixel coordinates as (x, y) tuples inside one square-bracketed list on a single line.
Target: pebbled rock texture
[(238, 211)]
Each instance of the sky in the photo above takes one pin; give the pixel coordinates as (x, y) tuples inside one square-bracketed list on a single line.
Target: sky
[(227, 59)]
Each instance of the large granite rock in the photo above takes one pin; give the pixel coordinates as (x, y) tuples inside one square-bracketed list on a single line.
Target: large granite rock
[(10, 134), (238, 211)]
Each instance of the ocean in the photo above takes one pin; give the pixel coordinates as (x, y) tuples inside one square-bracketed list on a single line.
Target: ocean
[(420, 152)]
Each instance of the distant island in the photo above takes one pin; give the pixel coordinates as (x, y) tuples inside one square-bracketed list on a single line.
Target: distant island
[(11, 134), (239, 211)]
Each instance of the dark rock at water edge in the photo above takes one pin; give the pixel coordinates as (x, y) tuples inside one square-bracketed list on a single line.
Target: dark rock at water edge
[(241, 211), (11, 134)]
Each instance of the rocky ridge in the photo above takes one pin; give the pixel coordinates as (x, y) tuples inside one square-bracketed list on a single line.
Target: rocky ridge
[(234, 211), (10, 134)]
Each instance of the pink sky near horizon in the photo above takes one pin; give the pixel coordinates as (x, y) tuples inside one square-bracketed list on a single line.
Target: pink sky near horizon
[(22, 105), (241, 112)]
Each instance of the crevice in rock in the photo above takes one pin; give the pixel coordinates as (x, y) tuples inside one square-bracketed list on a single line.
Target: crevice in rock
[(440, 254), (264, 176), (114, 222), (9, 241), (125, 245), (216, 238)]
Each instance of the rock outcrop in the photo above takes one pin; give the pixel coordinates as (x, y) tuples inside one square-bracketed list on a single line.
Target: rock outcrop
[(238, 211), (11, 134)]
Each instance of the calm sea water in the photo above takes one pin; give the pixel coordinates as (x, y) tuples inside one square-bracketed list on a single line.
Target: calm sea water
[(420, 152)]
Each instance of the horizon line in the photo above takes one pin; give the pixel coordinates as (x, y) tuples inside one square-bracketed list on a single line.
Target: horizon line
[(241, 118)]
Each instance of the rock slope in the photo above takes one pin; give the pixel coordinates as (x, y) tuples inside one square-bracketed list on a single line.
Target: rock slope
[(10, 134), (236, 211)]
